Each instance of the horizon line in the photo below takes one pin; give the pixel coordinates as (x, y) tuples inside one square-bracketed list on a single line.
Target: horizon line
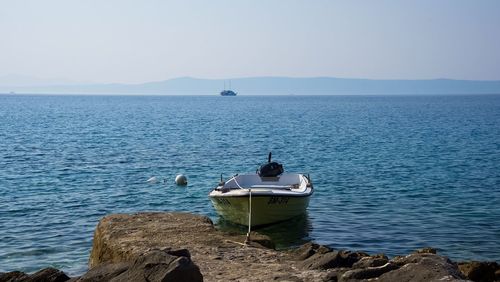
[(88, 83)]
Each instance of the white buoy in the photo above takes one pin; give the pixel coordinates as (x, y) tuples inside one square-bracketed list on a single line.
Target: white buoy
[(181, 179), (152, 180)]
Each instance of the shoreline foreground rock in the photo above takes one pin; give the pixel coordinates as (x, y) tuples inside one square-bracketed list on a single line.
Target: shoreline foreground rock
[(164, 246)]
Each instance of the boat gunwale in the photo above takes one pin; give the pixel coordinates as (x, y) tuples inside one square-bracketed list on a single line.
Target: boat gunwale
[(257, 194)]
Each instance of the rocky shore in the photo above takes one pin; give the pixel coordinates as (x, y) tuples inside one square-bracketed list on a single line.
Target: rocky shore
[(187, 247)]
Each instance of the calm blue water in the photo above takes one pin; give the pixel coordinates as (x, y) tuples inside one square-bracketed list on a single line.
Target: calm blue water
[(391, 174)]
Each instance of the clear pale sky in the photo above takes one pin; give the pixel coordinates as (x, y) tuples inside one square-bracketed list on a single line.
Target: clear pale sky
[(145, 40)]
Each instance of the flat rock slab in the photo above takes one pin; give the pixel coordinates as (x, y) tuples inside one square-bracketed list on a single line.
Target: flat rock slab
[(121, 239), (220, 256)]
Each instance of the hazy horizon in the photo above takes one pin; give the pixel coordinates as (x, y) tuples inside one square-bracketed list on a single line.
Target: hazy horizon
[(138, 42), (268, 85), (15, 80)]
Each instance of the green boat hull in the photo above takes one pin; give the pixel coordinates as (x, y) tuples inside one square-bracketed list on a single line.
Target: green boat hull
[(265, 209)]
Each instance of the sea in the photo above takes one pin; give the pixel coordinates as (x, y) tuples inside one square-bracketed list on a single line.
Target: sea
[(391, 174)]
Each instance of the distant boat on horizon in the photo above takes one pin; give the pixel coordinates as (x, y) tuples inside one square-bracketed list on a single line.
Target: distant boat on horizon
[(227, 92)]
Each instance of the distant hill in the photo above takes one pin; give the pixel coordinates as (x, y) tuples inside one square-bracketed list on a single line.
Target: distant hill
[(271, 86), (15, 80)]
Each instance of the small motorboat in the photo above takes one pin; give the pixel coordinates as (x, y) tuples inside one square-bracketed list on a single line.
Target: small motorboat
[(265, 197)]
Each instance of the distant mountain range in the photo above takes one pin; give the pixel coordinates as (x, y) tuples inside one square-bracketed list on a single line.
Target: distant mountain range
[(261, 86)]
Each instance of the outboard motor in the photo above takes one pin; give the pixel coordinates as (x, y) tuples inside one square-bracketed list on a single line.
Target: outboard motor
[(271, 169)]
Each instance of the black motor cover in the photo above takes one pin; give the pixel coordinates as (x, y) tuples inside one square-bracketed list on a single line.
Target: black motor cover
[(271, 169)]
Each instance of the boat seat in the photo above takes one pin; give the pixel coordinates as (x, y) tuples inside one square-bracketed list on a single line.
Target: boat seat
[(272, 186), (270, 178)]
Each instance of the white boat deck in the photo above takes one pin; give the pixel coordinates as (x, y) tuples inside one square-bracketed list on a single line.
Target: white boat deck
[(285, 183)]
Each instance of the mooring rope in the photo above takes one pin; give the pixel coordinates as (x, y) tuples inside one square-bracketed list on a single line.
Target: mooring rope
[(247, 240), (237, 184)]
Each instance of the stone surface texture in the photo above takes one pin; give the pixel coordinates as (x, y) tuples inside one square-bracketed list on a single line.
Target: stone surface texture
[(45, 275), (186, 247), (220, 256)]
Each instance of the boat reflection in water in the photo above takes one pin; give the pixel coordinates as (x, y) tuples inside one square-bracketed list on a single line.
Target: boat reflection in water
[(286, 234)]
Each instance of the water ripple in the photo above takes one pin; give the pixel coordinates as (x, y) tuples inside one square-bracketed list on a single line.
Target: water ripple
[(392, 174)]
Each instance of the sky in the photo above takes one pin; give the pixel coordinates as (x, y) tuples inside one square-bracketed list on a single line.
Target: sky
[(123, 41)]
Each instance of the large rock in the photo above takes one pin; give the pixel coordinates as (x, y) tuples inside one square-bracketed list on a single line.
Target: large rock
[(314, 256), (308, 249), (153, 266), (371, 261), (104, 272), (480, 271), (345, 266), (123, 238), (368, 272), (423, 267), (13, 276)]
